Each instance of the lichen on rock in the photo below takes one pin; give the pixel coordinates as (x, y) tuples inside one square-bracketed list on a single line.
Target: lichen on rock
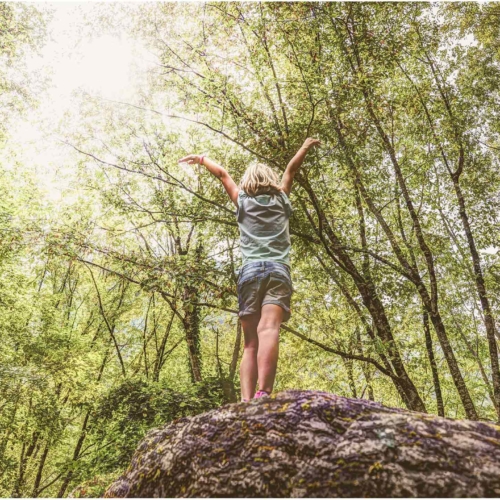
[(314, 444)]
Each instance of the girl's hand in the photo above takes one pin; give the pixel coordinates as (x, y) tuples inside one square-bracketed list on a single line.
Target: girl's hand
[(310, 142), (191, 159)]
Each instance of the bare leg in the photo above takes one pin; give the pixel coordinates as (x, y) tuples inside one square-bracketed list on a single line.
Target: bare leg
[(268, 334), (248, 366)]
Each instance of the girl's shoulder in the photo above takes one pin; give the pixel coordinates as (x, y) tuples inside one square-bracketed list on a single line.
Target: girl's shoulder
[(280, 194), (280, 198), (285, 196), (242, 195)]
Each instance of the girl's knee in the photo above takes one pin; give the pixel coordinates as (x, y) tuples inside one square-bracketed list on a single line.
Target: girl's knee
[(268, 331), (251, 345)]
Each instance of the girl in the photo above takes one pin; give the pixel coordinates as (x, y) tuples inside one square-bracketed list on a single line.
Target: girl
[(264, 281)]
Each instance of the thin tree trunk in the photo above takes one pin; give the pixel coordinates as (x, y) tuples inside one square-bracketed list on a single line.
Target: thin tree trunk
[(191, 322), (9, 426), (18, 488), (161, 352), (470, 347), (191, 319), (366, 369), (397, 382), (76, 454), (227, 383), (111, 328), (350, 376), (39, 473), (236, 351), (36, 486), (489, 321), (432, 362), (17, 484), (83, 435), (144, 339)]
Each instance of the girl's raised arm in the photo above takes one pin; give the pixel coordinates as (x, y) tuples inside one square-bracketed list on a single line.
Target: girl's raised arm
[(295, 163), (219, 172)]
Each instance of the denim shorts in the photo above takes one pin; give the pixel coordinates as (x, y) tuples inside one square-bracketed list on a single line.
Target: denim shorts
[(261, 283)]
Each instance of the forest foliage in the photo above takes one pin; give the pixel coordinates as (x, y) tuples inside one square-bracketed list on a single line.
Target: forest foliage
[(118, 311)]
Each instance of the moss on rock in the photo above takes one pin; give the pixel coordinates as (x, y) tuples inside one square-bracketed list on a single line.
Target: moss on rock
[(314, 444)]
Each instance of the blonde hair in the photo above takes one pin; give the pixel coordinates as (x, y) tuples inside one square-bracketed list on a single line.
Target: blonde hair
[(259, 178)]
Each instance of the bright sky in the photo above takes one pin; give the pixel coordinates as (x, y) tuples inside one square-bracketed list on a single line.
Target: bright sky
[(108, 66), (103, 64)]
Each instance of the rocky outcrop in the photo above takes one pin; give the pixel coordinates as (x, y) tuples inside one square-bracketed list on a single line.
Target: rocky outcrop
[(314, 444)]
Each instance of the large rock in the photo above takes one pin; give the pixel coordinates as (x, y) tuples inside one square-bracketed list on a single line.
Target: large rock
[(314, 444)]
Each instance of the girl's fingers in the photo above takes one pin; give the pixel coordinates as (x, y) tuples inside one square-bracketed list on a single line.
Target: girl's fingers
[(190, 159)]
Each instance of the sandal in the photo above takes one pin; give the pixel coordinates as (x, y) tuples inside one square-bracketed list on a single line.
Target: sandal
[(261, 394)]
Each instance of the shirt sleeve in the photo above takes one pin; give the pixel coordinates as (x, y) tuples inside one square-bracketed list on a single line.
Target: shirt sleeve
[(241, 193), (287, 204)]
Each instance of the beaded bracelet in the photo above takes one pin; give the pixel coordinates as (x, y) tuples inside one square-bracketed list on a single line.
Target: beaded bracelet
[(201, 159)]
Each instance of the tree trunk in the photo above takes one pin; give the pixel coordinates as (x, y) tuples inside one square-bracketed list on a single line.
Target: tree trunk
[(236, 351), (161, 351), (489, 321), (432, 362), (39, 472), (76, 454), (191, 322), (25, 456), (83, 435)]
